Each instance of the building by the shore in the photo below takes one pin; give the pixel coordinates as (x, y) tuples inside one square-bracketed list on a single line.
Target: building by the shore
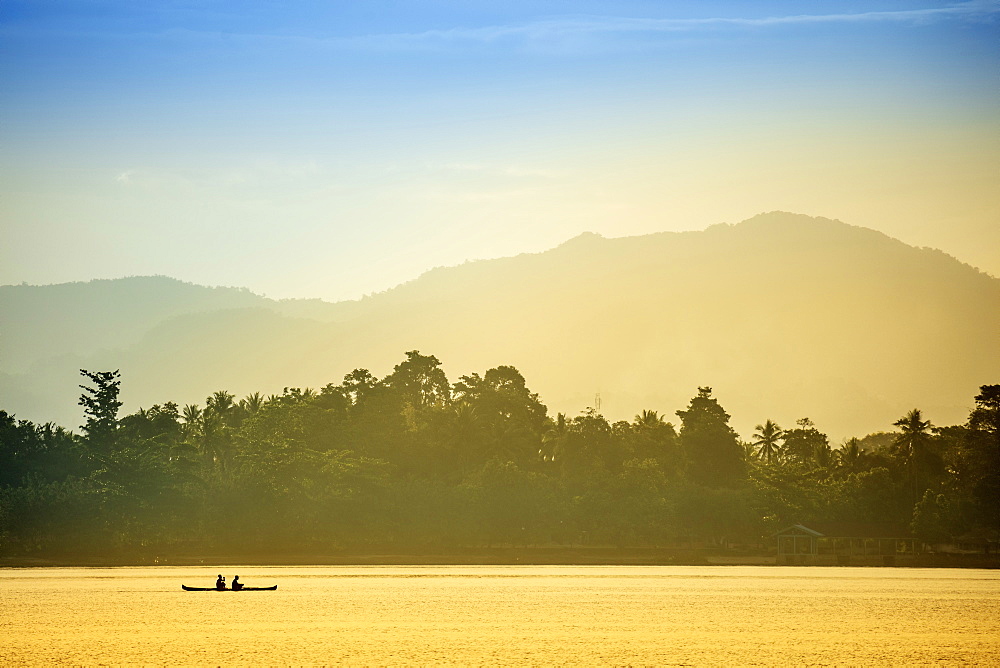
[(846, 544)]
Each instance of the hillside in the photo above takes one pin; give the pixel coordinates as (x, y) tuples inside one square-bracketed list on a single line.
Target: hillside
[(783, 315)]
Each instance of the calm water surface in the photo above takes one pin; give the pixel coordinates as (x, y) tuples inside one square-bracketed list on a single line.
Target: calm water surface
[(472, 615)]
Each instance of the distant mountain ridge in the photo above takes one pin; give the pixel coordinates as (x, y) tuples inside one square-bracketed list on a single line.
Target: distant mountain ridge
[(80, 318), (783, 315)]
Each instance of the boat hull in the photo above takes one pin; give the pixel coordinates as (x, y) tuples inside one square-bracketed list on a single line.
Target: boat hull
[(186, 588)]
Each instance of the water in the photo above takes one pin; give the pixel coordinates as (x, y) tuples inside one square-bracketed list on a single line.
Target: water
[(490, 615)]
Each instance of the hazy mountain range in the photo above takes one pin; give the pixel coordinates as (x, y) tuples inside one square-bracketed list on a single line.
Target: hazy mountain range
[(783, 315)]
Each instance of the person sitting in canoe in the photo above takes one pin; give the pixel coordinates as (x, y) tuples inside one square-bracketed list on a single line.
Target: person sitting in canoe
[(237, 585), (220, 584)]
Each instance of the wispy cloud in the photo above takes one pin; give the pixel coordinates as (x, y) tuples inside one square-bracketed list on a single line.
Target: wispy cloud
[(562, 28)]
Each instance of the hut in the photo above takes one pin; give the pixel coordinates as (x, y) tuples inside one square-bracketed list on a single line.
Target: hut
[(845, 543)]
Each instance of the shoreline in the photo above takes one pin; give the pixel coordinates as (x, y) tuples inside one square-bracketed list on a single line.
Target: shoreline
[(506, 556)]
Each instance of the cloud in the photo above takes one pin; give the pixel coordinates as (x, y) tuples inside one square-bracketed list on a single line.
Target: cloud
[(558, 31), (125, 177), (565, 28)]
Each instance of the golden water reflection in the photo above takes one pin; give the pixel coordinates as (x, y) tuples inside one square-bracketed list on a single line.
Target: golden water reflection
[(473, 615)]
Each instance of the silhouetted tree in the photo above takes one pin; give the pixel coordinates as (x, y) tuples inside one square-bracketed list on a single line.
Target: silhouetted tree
[(651, 437), (851, 458), (100, 406), (252, 403), (985, 417), (979, 461), (802, 443), (419, 381), (357, 384), (823, 456), (710, 444), (413, 462), (509, 417), (37, 452), (767, 442), (913, 449)]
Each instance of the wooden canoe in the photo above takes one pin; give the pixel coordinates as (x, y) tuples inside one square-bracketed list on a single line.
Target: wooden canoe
[(186, 588)]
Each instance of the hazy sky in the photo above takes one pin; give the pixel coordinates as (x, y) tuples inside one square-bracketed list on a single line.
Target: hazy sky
[(331, 149)]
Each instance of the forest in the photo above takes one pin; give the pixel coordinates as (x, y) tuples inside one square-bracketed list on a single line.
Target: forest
[(415, 462)]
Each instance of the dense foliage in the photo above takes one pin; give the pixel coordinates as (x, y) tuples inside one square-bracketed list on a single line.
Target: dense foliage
[(413, 461)]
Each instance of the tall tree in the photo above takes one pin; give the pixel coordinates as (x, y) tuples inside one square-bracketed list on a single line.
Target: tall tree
[(420, 381), (802, 443), (511, 418), (710, 444), (980, 470), (913, 448), (985, 417), (100, 406), (357, 385), (223, 405)]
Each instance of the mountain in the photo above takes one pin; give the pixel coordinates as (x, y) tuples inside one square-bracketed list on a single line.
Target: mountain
[(37, 322), (783, 315)]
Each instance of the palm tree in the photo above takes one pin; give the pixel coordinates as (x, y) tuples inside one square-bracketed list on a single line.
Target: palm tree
[(214, 442), (554, 440), (823, 456), (222, 404), (912, 446), (191, 415), (220, 401), (768, 447), (466, 437), (851, 457), (252, 403), (649, 420), (652, 437)]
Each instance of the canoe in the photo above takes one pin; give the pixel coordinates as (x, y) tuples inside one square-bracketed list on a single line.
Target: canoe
[(186, 588)]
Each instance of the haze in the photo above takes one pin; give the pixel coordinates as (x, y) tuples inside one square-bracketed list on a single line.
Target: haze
[(784, 315), (333, 150)]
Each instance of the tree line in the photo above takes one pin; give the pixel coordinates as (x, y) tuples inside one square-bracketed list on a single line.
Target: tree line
[(413, 461)]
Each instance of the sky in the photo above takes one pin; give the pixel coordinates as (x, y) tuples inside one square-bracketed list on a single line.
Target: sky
[(334, 149)]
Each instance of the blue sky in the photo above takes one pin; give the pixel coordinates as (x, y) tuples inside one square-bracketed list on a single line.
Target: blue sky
[(335, 149)]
